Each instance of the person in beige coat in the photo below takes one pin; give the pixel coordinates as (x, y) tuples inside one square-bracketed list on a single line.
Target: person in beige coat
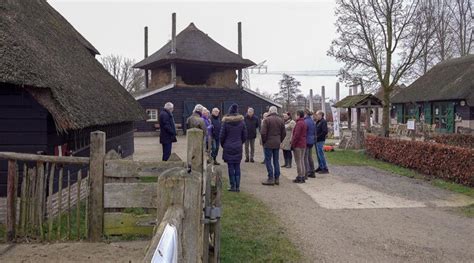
[(286, 144)]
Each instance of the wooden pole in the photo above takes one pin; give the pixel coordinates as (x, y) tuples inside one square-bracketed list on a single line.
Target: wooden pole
[(146, 55), (239, 46), (68, 219), (96, 184), (11, 196), (50, 201), (323, 100), (194, 139), (357, 143), (60, 201), (78, 204), (349, 118), (173, 47), (24, 185)]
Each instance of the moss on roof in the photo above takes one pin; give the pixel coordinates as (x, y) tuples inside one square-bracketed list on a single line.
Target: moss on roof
[(355, 101)]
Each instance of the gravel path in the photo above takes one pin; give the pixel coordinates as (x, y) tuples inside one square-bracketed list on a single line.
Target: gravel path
[(362, 214)]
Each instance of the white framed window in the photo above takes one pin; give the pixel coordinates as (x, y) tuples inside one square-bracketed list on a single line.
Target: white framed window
[(152, 114)]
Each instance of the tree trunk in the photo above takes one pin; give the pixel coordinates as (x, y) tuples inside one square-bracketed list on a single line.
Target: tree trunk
[(386, 110)]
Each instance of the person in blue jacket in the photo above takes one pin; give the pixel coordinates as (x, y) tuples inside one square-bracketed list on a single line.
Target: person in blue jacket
[(167, 130), (310, 140)]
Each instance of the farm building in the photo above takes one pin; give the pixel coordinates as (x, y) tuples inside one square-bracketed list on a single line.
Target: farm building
[(193, 68), (53, 91), (443, 97)]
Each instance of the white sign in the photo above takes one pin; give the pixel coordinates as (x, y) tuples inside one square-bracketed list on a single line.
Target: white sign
[(411, 124), (336, 122), (167, 249)]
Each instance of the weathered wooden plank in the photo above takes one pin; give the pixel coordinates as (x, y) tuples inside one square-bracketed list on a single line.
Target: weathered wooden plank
[(96, 197), (43, 158), (117, 223), (11, 205), (128, 195), (41, 171), (78, 204), (130, 168), (174, 216), (192, 223), (60, 201), (68, 219), (86, 219), (31, 200), (23, 194), (50, 201)]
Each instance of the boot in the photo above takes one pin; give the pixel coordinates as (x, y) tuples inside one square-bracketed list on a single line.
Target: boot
[(286, 164), (277, 181), (269, 181), (216, 163), (299, 180), (252, 160), (246, 159), (289, 163), (311, 175)]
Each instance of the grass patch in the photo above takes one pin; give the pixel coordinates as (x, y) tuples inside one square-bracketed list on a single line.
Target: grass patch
[(359, 158), (251, 233), (148, 179), (467, 210)]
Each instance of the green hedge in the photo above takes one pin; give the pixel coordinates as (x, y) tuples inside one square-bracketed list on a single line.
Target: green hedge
[(442, 161)]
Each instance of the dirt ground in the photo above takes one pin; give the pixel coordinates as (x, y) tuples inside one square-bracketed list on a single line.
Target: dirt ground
[(354, 214)]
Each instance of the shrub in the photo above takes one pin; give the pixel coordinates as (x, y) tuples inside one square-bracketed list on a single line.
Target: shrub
[(460, 140), (442, 161)]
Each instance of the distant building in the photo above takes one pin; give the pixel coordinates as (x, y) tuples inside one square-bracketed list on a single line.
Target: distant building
[(205, 74), (53, 91), (444, 96)]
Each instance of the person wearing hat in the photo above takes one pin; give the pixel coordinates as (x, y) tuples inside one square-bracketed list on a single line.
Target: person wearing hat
[(196, 120), (232, 136)]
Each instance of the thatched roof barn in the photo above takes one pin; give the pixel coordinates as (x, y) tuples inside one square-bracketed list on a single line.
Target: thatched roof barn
[(193, 68), (53, 91), (42, 53), (444, 96)]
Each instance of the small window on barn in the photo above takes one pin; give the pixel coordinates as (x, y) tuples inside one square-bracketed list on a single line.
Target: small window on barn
[(152, 114)]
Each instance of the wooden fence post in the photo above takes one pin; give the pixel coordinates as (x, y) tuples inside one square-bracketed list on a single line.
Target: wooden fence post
[(195, 141), (96, 186), (11, 198)]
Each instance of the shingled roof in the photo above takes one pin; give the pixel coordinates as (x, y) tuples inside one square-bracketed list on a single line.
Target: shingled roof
[(41, 52), (193, 45), (449, 80), (359, 101)]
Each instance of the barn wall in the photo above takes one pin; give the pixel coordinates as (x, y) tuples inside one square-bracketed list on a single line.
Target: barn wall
[(187, 97), (22, 126)]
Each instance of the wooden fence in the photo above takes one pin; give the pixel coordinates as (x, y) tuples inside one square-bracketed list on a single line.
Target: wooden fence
[(185, 194)]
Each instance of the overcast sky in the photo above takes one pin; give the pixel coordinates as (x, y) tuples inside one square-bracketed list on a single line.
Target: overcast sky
[(289, 35)]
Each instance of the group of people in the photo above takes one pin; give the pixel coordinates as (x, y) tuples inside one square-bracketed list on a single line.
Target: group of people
[(294, 137)]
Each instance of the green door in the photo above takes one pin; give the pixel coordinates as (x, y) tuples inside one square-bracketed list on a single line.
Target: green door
[(427, 111), (399, 113), (450, 117)]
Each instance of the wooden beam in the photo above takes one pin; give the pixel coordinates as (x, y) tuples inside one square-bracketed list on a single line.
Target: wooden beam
[(137, 195), (96, 184), (357, 143), (129, 224), (43, 158), (128, 168), (11, 200), (195, 142)]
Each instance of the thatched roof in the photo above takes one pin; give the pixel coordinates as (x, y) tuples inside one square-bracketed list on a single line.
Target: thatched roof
[(449, 80), (41, 52), (359, 101), (194, 46)]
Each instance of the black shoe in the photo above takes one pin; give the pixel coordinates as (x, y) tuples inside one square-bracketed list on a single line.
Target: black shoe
[(209, 161), (237, 190), (277, 181), (269, 182), (216, 163), (311, 175), (284, 166), (246, 160), (299, 180), (325, 171), (231, 189), (288, 166), (317, 170), (252, 160)]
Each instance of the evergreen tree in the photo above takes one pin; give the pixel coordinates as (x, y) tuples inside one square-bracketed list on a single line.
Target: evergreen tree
[(288, 91)]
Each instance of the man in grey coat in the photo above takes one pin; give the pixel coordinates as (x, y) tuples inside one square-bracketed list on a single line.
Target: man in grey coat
[(273, 133)]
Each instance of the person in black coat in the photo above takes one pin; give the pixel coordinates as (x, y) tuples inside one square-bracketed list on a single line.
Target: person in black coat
[(232, 136), (321, 134), (216, 129), (167, 130), (253, 124)]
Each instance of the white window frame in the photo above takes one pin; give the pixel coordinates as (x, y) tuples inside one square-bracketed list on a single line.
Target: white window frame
[(150, 113)]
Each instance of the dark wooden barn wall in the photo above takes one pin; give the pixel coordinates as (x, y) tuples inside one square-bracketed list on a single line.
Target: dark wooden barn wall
[(209, 97), (27, 127)]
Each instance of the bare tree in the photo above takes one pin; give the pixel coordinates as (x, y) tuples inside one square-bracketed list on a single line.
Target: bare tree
[(122, 70), (462, 25), (443, 33), (380, 40)]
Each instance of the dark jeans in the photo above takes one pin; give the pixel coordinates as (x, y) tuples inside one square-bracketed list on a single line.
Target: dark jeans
[(234, 175), (215, 148), (166, 151), (321, 158), (308, 159), (249, 143), (273, 172), (287, 156)]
